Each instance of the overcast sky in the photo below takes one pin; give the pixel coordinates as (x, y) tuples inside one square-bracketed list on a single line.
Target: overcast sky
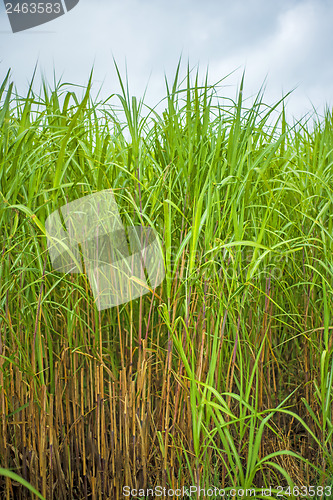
[(289, 41)]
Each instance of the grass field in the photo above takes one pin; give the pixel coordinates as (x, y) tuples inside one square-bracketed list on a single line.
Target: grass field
[(223, 376)]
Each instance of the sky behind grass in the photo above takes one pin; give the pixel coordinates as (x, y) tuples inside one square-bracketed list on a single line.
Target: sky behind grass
[(288, 41)]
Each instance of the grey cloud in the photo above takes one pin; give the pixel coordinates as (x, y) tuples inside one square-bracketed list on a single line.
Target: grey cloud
[(289, 40)]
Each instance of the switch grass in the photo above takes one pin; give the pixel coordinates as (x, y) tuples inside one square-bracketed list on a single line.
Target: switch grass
[(223, 376)]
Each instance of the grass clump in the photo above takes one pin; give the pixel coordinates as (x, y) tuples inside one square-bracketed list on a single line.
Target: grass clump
[(224, 376)]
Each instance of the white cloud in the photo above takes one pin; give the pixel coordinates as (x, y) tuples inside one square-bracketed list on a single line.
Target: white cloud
[(289, 41)]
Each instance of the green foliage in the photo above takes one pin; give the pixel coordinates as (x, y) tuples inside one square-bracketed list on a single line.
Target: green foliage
[(232, 357)]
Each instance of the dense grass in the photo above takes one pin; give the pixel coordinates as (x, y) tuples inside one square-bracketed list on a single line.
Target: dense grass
[(223, 376)]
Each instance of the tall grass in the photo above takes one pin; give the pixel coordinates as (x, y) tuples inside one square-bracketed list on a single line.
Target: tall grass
[(224, 375)]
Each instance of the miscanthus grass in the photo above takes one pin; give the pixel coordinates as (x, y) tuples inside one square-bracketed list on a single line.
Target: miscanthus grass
[(223, 377)]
